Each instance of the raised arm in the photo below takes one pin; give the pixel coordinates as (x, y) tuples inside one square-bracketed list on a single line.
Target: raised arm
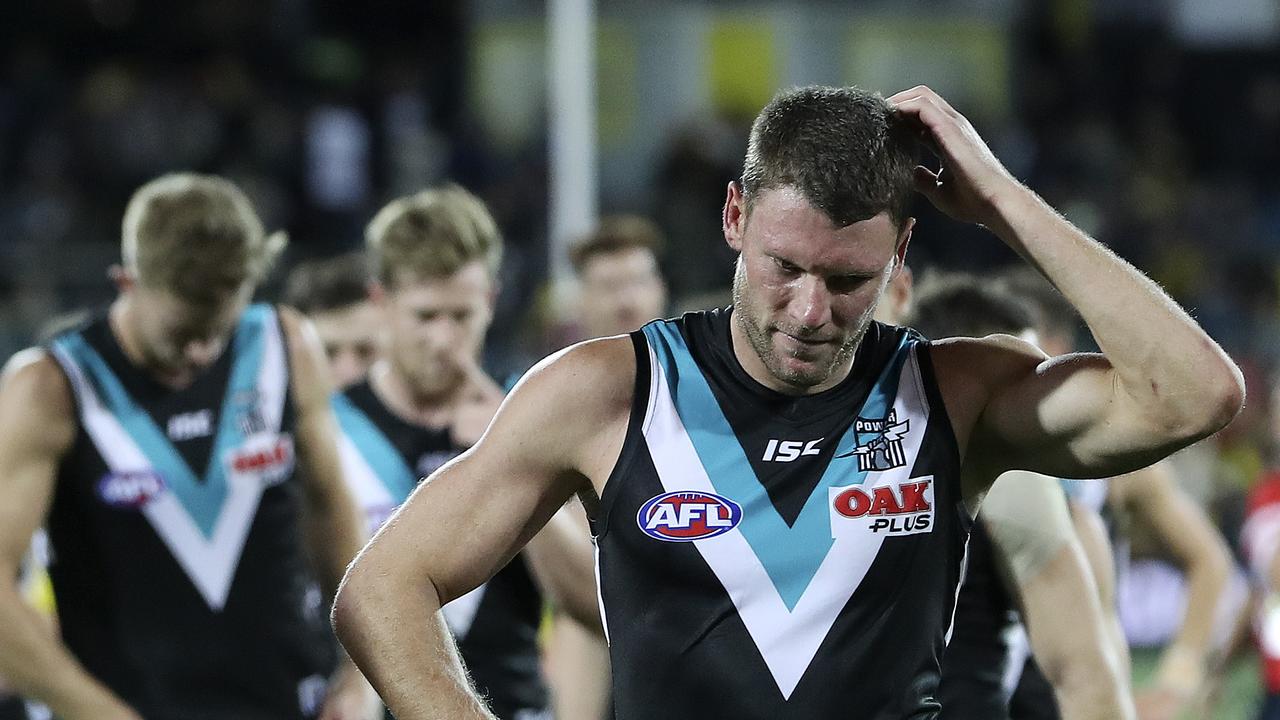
[(1030, 526), (558, 432), (38, 417), (331, 522), (1160, 382)]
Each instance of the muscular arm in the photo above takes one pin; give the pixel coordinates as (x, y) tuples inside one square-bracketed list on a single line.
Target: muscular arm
[(561, 427), (1160, 382), (333, 527), (1027, 518), (331, 521), (37, 413), (1092, 534), (1188, 534)]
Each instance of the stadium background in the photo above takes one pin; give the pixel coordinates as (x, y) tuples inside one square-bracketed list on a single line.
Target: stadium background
[(1153, 124)]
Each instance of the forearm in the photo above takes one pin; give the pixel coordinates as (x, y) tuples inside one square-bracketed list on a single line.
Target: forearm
[(562, 558), (1186, 660), (394, 632), (578, 671), (333, 535), (1088, 692), (1133, 321), (1068, 636), (36, 665)]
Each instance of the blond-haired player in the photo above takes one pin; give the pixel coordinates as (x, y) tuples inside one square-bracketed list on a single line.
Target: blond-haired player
[(158, 444), (435, 256)]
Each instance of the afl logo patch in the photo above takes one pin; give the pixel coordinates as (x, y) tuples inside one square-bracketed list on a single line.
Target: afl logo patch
[(688, 515), (129, 489)]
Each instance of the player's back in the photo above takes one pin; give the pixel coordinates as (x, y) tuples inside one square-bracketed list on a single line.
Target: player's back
[(177, 557), (495, 625), (771, 556)]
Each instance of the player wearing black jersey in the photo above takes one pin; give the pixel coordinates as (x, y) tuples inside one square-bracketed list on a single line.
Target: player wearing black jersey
[(159, 443), (334, 295), (435, 258), (782, 512)]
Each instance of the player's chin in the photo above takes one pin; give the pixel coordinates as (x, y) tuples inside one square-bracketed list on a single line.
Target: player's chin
[(803, 372)]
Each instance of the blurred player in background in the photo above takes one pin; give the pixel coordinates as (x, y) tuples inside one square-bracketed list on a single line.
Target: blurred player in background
[(1025, 567), (619, 289), (435, 257), (1182, 529), (334, 294), (620, 286), (159, 444), (1260, 539)]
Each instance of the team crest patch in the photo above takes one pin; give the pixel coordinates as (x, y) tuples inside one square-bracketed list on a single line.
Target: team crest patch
[(686, 516), (878, 444)]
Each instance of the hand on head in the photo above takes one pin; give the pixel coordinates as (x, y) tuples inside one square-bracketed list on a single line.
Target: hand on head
[(971, 178)]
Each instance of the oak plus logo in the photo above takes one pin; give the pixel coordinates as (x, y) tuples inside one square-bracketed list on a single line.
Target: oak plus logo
[(788, 450), (904, 508)]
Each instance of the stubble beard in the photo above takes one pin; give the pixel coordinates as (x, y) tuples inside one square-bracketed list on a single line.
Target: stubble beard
[(744, 312)]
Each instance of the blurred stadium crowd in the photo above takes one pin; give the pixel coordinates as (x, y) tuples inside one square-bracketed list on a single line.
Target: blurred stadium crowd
[(1164, 149)]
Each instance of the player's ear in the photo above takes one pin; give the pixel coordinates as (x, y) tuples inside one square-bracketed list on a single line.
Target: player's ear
[(377, 293), (904, 239), (121, 277), (734, 217)]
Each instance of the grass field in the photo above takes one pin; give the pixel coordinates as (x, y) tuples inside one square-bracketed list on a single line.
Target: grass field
[(1241, 693)]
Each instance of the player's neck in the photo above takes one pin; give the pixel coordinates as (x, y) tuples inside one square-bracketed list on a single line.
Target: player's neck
[(120, 320), (404, 400)]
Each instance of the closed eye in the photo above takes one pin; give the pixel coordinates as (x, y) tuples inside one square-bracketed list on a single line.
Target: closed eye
[(786, 267), (847, 283)]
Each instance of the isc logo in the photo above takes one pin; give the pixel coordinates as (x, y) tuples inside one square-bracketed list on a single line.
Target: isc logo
[(129, 489), (687, 516), (788, 450), (901, 509)]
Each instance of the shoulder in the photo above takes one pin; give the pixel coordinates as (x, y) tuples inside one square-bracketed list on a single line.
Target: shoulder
[(600, 373), (36, 399), (572, 409)]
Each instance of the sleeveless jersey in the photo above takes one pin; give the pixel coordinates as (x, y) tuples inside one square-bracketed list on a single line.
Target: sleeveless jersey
[(769, 556), (176, 549), (981, 664), (495, 625)]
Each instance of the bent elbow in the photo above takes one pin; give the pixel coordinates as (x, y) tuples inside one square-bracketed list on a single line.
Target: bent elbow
[(1222, 399), (350, 603), (1215, 401)]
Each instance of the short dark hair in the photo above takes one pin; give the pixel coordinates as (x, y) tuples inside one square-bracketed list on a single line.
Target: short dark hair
[(616, 233), (843, 148), (1054, 314), (328, 284), (963, 305)]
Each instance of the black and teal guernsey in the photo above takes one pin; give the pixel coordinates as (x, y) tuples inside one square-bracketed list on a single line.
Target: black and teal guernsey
[(770, 556), (495, 625), (985, 656), (177, 556)]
